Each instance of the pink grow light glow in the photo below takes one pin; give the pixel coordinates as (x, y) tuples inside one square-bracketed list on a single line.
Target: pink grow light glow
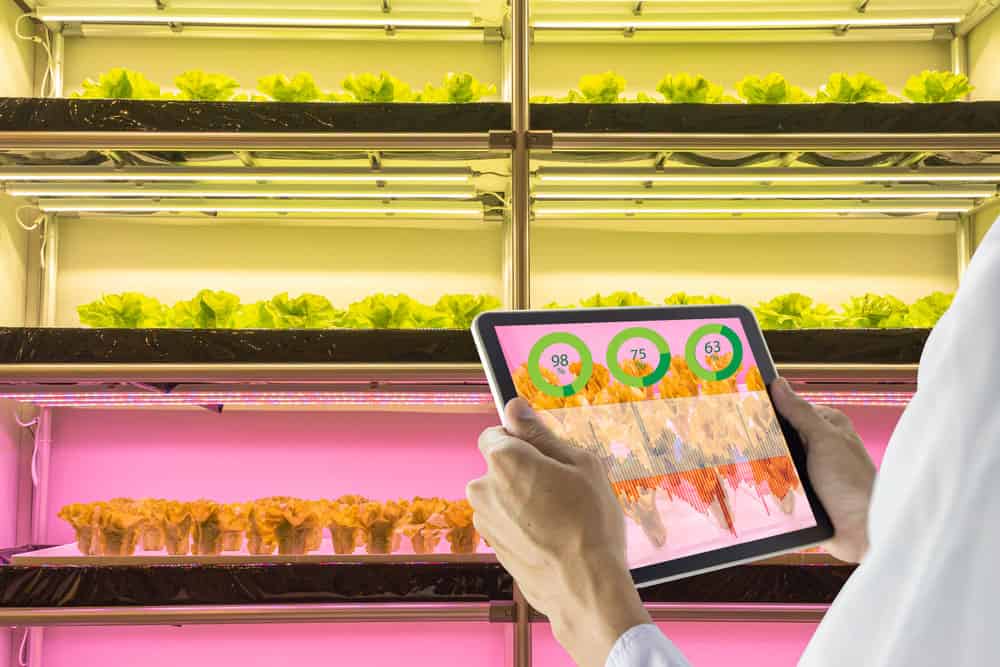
[(848, 398), (269, 398), (361, 398)]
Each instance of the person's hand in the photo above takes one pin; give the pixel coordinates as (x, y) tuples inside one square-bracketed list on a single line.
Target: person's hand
[(839, 466), (548, 510)]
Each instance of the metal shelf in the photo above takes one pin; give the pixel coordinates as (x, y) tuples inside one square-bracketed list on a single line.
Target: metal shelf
[(413, 612), (727, 613)]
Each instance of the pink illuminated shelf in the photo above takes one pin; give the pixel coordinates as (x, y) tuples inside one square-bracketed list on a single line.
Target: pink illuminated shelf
[(69, 554)]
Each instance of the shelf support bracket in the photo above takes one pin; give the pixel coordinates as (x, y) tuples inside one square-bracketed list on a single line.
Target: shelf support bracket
[(964, 244)]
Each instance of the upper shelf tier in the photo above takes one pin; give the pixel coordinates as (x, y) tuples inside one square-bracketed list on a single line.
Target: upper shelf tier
[(30, 346), (371, 370), (783, 119)]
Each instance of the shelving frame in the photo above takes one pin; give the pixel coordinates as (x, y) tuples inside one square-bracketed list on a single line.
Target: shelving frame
[(521, 142)]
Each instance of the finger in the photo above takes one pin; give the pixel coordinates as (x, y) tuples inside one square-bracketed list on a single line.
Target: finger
[(507, 456), (478, 494), (835, 417), (799, 412), (522, 422)]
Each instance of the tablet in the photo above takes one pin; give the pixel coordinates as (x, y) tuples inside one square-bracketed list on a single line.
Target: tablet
[(675, 402)]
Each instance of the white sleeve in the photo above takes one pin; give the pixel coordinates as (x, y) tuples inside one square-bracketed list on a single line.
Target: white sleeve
[(645, 646)]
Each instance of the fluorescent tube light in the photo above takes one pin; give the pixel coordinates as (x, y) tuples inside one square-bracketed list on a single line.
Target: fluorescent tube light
[(246, 18), (737, 208), (765, 193), (748, 24), (750, 175), (225, 192), (228, 175), (263, 206)]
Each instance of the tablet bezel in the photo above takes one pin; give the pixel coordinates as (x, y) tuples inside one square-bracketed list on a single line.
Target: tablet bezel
[(502, 387)]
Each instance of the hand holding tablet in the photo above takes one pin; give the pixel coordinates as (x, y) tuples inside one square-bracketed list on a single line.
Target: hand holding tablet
[(674, 403)]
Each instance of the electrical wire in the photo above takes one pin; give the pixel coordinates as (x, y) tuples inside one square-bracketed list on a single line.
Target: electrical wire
[(35, 224), (49, 76)]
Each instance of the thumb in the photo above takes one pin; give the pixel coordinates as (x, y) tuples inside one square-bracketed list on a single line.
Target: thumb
[(521, 421), (800, 413)]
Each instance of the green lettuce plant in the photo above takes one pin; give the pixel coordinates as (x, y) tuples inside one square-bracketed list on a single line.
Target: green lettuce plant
[(683, 299), (795, 311), (461, 309), (307, 311), (615, 300), (383, 311), (937, 86), (687, 88), (771, 89), (300, 88), (121, 84), (924, 313), (205, 87), (384, 87), (253, 316), (128, 310), (209, 309), (874, 311), (458, 88), (603, 88), (851, 88)]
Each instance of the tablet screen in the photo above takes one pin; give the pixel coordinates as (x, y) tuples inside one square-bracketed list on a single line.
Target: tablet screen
[(679, 413)]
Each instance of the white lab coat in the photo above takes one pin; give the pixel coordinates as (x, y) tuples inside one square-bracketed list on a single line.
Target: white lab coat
[(928, 590)]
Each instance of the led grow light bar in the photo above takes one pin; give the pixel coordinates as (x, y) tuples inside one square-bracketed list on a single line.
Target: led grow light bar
[(257, 206), (246, 17), (805, 23), (232, 175), (864, 399), (737, 207), (859, 192), (233, 192), (771, 175), (361, 398), (275, 398)]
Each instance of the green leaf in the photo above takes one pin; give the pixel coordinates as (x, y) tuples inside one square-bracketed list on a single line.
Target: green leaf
[(121, 84), (925, 312), (301, 88), (690, 89), (795, 311), (253, 316), (772, 89), (873, 311), (683, 299), (207, 310), (198, 85), (615, 300), (851, 88), (600, 88), (382, 88), (460, 88), (425, 317), (128, 310), (936, 86), (307, 311), (383, 311), (461, 309)]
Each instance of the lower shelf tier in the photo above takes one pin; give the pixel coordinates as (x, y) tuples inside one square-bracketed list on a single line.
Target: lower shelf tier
[(413, 580)]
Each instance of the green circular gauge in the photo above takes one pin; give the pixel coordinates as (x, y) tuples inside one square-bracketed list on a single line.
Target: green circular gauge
[(535, 368), (691, 354), (658, 341)]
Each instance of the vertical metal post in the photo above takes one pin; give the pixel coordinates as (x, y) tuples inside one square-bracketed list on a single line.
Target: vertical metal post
[(960, 55), (58, 55), (50, 270), (964, 244), (519, 230), (522, 630)]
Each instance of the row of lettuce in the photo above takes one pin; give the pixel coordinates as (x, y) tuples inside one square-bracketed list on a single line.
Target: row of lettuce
[(218, 309), (196, 85), (462, 87), (840, 87)]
